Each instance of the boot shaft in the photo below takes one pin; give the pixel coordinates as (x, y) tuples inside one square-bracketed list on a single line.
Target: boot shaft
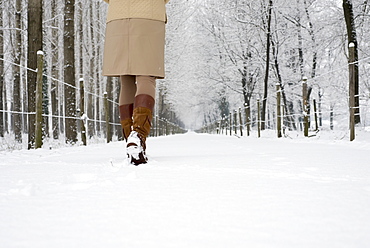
[(125, 114), (126, 111), (142, 121)]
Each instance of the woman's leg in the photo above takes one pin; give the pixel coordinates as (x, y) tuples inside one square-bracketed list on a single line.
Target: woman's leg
[(126, 103), (144, 105), (128, 90), (145, 86), (142, 119)]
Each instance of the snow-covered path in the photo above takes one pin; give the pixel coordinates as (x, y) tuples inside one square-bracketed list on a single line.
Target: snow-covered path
[(197, 191)]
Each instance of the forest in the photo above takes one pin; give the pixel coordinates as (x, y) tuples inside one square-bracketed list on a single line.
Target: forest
[(221, 56)]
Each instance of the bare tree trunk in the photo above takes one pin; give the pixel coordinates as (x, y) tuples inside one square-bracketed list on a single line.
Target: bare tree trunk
[(94, 68), (99, 83), (54, 71), (81, 39), (34, 44), (69, 73), (248, 85), (314, 53), (352, 38), (17, 94), (2, 106), (268, 44), (109, 88), (290, 120), (90, 50), (300, 49), (313, 39)]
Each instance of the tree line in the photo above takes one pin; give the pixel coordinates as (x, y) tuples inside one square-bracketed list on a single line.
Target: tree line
[(235, 52), (220, 54), (71, 35)]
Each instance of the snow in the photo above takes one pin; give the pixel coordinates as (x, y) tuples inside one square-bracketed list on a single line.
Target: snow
[(198, 190)]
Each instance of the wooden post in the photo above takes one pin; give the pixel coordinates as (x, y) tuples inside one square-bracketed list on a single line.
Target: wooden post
[(221, 126), (167, 131), (305, 106), (154, 126), (259, 117), (331, 118), (226, 124), (240, 122), (320, 94), (316, 119), (247, 111), (38, 123), (106, 110), (352, 88), (283, 119), (83, 117), (230, 124), (161, 127), (278, 110), (235, 122)]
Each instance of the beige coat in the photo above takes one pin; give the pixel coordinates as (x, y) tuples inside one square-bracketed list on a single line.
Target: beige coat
[(146, 9), (134, 40)]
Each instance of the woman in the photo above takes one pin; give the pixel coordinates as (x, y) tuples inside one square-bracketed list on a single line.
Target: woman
[(134, 51)]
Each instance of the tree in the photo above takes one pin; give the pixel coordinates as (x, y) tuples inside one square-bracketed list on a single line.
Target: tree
[(1, 72), (352, 38), (35, 36), (69, 73), (267, 68), (17, 93), (55, 96)]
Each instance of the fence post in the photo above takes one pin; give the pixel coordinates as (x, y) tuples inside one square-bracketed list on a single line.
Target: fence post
[(221, 126), (305, 106), (83, 117), (230, 124), (157, 126), (240, 122), (161, 133), (167, 133), (154, 126), (106, 110), (283, 119), (351, 49), (259, 117), (235, 122), (38, 124), (315, 110), (247, 111), (331, 118), (278, 110), (319, 106)]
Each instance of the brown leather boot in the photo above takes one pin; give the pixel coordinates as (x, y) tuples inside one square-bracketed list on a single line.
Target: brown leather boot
[(142, 121), (125, 114)]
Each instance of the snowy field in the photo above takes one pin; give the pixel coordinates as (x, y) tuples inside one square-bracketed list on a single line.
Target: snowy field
[(197, 191)]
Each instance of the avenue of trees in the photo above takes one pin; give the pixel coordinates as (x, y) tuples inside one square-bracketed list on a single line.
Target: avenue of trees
[(229, 53), (220, 55)]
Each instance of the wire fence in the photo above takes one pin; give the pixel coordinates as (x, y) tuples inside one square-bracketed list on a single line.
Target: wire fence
[(238, 122), (331, 113), (107, 125), (236, 125)]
